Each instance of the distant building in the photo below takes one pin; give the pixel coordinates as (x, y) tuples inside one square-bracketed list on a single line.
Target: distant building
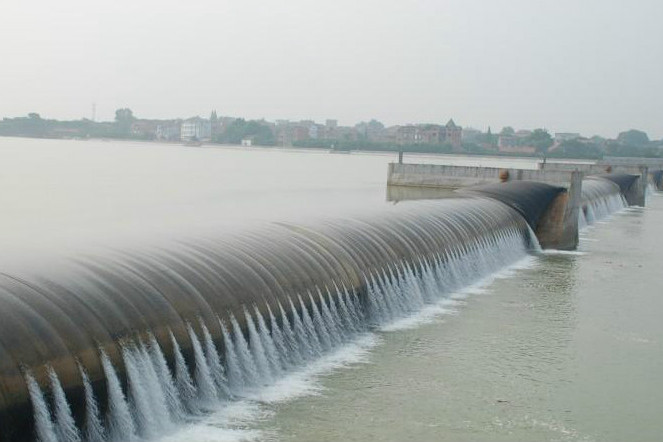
[(331, 124), (196, 129), (300, 132), (471, 135), (560, 137), (145, 129), (373, 131), (507, 141), (168, 131), (345, 133), (409, 134), (454, 135), (427, 134), (314, 131), (515, 143)]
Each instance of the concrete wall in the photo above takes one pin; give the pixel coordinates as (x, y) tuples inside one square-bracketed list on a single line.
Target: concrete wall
[(558, 227), (592, 169), (434, 175)]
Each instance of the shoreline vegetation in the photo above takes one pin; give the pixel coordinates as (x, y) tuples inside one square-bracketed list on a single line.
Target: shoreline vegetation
[(369, 136)]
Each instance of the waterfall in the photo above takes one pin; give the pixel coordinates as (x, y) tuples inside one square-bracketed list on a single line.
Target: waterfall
[(94, 430), (206, 385), (65, 427), (244, 356), (301, 339), (156, 399), (223, 351), (312, 340), (258, 351), (43, 425), (236, 379), (183, 379), (121, 425), (172, 395), (281, 348), (146, 398), (293, 353), (268, 344), (319, 325), (214, 362), (601, 198)]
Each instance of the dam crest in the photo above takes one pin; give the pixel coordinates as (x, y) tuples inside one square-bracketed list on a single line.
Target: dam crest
[(132, 344)]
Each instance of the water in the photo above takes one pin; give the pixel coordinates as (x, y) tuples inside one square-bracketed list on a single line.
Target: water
[(446, 347), (148, 408), (568, 348)]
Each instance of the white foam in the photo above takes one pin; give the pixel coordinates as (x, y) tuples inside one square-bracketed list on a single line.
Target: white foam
[(445, 306), (565, 252), (230, 422)]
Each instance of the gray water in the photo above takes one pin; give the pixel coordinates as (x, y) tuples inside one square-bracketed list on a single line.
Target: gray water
[(568, 349), (561, 347)]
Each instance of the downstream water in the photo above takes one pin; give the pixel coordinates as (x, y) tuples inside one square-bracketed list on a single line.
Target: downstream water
[(568, 349), (558, 347)]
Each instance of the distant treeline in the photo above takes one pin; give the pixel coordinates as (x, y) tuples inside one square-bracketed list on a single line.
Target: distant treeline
[(567, 149), (347, 145), (632, 143), (35, 126), (260, 134)]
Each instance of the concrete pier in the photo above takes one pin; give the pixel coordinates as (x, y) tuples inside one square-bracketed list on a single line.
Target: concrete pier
[(558, 227), (651, 172), (635, 195), (453, 177)]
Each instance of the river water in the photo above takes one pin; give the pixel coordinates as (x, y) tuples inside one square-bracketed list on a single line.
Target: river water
[(566, 349), (562, 346)]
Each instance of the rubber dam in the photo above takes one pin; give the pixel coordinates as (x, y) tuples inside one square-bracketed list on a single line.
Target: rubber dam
[(128, 344)]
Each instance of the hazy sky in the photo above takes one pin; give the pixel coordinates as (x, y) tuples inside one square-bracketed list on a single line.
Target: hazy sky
[(590, 66)]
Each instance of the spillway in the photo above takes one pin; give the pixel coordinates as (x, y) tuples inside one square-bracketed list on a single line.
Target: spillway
[(602, 196), (129, 343)]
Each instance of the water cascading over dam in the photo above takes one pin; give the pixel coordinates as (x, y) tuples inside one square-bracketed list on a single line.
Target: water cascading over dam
[(128, 344), (603, 195)]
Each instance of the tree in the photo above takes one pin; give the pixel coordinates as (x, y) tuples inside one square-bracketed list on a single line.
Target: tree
[(540, 139), (124, 114), (123, 119), (508, 131), (633, 137), (488, 138), (578, 149), (240, 129), (375, 125)]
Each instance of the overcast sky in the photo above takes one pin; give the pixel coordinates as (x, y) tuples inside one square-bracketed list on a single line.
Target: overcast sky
[(589, 66)]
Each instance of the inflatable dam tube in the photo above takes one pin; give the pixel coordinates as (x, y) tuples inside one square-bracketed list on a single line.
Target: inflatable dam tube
[(597, 187), (624, 181), (73, 316), (603, 195), (531, 199)]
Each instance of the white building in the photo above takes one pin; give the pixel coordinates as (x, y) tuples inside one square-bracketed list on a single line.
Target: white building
[(196, 129)]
